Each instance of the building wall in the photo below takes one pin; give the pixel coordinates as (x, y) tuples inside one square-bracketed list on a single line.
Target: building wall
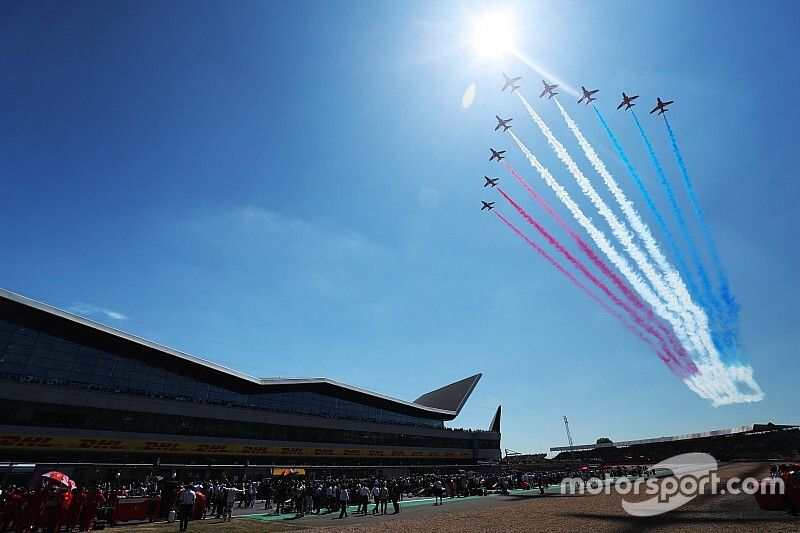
[(61, 400), (35, 356)]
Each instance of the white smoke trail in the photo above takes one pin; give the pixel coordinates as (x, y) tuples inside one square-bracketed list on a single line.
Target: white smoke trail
[(705, 390), (668, 273), (736, 378), (664, 303), (671, 276), (594, 232)]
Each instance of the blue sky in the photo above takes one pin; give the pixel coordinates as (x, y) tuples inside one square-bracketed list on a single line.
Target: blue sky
[(293, 190)]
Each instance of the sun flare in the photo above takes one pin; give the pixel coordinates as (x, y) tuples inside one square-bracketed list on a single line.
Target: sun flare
[(493, 34)]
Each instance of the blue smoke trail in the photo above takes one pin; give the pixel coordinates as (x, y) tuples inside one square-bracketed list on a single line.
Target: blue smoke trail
[(726, 333), (654, 210), (719, 341), (732, 306)]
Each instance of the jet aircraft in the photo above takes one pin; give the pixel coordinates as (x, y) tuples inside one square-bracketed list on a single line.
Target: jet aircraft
[(502, 123), (627, 101), (548, 89), (490, 181), (487, 205), (511, 82), (587, 95), (496, 154), (661, 106)]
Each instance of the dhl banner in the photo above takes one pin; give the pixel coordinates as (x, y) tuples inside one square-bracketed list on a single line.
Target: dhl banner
[(80, 443)]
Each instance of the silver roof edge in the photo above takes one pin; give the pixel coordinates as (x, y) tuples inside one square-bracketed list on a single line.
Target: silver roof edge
[(23, 300)]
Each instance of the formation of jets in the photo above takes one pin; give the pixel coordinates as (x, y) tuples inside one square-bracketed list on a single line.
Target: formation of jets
[(496, 154), (661, 107), (511, 82), (502, 123), (587, 95), (627, 101), (548, 89)]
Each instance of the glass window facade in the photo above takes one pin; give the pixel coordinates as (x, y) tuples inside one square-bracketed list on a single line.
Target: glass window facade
[(28, 355), (66, 416)]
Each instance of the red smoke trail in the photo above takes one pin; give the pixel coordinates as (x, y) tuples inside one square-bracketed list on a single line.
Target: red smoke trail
[(597, 283), (608, 272), (665, 357), (604, 268)]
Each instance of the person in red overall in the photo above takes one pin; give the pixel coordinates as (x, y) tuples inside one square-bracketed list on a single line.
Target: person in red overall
[(31, 514), (58, 512), (199, 511), (72, 520), (90, 509), (11, 501), (19, 519), (50, 511), (21, 523), (789, 485)]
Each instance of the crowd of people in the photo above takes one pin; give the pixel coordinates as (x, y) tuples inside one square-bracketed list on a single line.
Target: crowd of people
[(49, 508), (302, 496), (54, 507)]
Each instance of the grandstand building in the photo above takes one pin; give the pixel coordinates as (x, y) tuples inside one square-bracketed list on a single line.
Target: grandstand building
[(72, 390), (767, 442)]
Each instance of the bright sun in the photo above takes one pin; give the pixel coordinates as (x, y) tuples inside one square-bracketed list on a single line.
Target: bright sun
[(493, 34)]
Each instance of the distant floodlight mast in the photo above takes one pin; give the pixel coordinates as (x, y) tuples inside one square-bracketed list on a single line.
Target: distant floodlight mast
[(569, 436)]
